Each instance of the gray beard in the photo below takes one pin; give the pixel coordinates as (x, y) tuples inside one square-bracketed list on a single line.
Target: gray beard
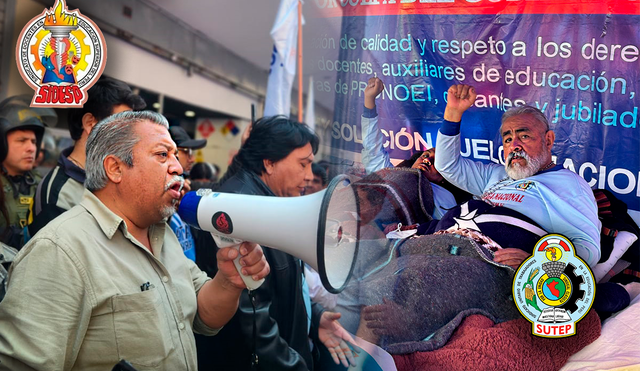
[(517, 172), (167, 211)]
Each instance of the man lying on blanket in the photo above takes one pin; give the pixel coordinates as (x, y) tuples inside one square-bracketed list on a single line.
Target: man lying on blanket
[(415, 302), (530, 183)]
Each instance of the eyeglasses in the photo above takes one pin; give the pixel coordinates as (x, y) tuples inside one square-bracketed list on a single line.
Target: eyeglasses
[(187, 151)]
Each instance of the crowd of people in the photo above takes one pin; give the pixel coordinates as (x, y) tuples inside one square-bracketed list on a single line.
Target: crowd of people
[(102, 269), (76, 243)]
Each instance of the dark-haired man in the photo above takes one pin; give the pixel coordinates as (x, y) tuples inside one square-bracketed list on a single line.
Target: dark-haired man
[(320, 180), (62, 188), (274, 161), (21, 132), (186, 147)]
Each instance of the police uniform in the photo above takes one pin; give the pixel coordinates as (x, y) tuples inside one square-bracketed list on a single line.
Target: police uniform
[(19, 204), (19, 190)]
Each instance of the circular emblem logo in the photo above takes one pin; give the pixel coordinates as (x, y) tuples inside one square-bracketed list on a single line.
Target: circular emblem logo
[(554, 288), (222, 222), (60, 54)]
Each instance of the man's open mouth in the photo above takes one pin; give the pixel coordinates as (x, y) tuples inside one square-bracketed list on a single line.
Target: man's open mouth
[(517, 156), (176, 184)]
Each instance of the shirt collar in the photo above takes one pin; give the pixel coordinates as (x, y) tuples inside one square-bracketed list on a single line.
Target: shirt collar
[(72, 170), (110, 222), (555, 168)]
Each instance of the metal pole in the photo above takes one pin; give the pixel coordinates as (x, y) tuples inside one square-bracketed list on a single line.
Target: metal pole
[(300, 105)]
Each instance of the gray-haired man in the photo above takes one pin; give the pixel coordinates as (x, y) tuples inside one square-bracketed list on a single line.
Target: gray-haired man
[(107, 280), (530, 183)]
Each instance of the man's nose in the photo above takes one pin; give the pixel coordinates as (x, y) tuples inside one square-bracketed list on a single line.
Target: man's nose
[(175, 167), (516, 145), (308, 176)]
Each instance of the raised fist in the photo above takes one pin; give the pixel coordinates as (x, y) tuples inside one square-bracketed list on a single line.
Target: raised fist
[(374, 87), (459, 99)]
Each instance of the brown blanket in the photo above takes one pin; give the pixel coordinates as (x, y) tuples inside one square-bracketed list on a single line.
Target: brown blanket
[(479, 344)]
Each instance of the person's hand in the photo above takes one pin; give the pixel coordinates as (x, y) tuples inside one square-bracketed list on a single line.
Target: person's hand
[(459, 99), (253, 264), (246, 133), (510, 256), (384, 319), (186, 187), (335, 338), (374, 87)]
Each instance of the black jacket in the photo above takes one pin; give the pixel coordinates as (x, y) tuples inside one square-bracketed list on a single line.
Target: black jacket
[(281, 318)]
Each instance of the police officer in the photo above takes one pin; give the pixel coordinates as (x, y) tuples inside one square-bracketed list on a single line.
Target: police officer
[(21, 131)]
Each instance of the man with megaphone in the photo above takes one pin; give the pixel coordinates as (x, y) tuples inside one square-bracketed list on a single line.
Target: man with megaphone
[(274, 161), (107, 280)]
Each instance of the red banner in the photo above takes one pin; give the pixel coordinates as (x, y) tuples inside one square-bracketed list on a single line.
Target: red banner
[(338, 8)]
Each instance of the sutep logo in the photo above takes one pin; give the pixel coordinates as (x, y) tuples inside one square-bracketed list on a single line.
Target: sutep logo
[(554, 288), (60, 54)]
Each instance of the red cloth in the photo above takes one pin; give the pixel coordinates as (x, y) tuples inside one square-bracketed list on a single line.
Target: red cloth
[(479, 344)]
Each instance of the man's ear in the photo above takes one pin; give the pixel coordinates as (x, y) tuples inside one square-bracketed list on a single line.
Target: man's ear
[(113, 168), (269, 166), (88, 122), (550, 138)]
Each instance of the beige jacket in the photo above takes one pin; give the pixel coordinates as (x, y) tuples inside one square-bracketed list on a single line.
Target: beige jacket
[(75, 298)]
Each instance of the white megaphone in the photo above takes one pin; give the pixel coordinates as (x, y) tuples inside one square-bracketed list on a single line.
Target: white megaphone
[(321, 229)]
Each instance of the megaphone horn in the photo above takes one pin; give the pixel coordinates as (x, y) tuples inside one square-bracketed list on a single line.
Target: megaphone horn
[(321, 229)]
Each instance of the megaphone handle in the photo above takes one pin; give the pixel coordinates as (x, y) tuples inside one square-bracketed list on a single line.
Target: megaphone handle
[(235, 243)]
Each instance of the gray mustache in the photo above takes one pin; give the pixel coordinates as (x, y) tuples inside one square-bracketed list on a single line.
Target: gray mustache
[(173, 180), (522, 154)]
